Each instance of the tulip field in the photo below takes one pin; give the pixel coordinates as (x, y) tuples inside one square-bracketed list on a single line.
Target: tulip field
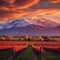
[(25, 50)]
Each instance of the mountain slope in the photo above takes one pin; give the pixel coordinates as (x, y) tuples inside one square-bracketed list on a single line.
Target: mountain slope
[(24, 22), (30, 27), (14, 23), (31, 30)]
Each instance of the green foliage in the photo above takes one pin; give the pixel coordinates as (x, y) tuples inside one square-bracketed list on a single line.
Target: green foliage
[(50, 56)]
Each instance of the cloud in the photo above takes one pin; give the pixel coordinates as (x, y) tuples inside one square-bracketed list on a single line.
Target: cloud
[(55, 1), (10, 9), (9, 1), (21, 4), (14, 8), (50, 14)]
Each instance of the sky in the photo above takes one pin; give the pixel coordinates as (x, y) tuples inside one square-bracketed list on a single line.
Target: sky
[(11, 9)]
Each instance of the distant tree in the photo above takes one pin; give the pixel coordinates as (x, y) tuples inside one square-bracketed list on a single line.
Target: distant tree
[(46, 39), (10, 37), (2, 38), (26, 37), (39, 38)]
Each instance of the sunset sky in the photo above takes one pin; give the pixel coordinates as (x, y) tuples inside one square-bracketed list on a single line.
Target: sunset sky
[(10, 9), (36, 17)]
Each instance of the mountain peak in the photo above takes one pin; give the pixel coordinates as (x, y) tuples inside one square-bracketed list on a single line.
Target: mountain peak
[(29, 27), (22, 22), (14, 23)]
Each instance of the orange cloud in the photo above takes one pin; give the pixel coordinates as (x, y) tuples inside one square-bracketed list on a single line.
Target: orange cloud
[(4, 8), (9, 1), (10, 9), (6, 16), (50, 14), (21, 4), (14, 8), (55, 1), (26, 3)]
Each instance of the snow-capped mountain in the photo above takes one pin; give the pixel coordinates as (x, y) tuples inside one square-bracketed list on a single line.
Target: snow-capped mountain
[(43, 22), (33, 30), (14, 23), (22, 22), (30, 26)]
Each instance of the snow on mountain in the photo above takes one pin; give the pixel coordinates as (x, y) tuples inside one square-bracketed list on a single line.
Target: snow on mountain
[(33, 30), (43, 22), (14, 23), (22, 22), (30, 26)]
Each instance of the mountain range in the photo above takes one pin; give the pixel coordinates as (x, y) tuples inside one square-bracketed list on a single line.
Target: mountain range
[(30, 26)]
